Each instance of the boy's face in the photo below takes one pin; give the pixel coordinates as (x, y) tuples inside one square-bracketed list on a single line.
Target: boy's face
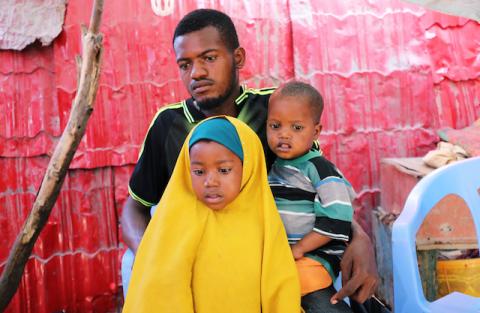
[(207, 67), (216, 174), (290, 126)]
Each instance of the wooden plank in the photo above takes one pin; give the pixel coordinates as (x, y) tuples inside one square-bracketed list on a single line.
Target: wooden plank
[(427, 264), (448, 246), (449, 222), (382, 235)]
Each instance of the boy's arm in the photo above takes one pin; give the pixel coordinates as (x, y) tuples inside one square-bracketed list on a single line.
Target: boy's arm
[(309, 242), (358, 267)]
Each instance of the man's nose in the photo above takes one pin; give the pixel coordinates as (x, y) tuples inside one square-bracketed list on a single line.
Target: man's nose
[(198, 71)]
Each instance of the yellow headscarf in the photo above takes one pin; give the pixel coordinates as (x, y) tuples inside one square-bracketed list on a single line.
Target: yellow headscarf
[(194, 259)]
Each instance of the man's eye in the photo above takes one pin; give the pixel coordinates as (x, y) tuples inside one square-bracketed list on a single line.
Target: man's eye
[(183, 66), (198, 172), (225, 170), (297, 127), (210, 58), (274, 125)]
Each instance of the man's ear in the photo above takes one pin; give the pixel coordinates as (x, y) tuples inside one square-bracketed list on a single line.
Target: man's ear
[(239, 57)]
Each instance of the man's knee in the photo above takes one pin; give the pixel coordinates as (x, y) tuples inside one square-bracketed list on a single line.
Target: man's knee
[(127, 263)]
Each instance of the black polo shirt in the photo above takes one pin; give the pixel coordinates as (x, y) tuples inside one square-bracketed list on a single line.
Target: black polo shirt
[(170, 128)]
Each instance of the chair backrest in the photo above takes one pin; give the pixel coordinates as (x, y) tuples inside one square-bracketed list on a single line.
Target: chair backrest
[(460, 178)]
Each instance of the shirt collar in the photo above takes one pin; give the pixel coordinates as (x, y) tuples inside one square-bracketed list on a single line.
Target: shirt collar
[(193, 113)]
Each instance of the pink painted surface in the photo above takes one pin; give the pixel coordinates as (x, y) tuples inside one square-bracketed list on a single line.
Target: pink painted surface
[(391, 74)]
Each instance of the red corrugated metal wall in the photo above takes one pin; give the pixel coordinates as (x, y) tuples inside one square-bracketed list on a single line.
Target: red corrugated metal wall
[(391, 74)]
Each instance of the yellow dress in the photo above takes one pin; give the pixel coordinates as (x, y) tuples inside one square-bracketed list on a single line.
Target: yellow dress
[(194, 259)]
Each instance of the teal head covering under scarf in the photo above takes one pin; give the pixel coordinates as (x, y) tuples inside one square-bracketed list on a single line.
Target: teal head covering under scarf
[(219, 130)]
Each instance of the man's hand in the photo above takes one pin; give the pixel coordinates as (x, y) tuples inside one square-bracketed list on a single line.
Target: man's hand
[(359, 270)]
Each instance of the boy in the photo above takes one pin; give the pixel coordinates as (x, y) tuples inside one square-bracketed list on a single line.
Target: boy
[(312, 196)]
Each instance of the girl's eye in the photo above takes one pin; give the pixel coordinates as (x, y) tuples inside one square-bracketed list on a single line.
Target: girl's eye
[(274, 125), (297, 127), (225, 170), (198, 172)]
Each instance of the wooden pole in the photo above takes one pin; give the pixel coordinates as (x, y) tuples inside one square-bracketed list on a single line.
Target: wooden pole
[(60, 161)]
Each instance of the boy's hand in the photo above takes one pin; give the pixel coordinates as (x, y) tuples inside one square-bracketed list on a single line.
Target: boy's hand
[(297, 252)]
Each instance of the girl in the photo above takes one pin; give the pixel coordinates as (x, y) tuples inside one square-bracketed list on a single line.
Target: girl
[(216, 242)]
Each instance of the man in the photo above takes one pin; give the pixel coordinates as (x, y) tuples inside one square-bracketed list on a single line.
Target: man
[(209, 58)]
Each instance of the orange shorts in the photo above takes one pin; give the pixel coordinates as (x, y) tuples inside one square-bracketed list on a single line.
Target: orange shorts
[(313, 276)]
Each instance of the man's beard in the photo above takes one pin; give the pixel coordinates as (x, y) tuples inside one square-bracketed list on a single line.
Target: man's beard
[(213, 103)]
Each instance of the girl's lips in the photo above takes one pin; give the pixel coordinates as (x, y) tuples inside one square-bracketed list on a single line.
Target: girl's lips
[(213, 198)]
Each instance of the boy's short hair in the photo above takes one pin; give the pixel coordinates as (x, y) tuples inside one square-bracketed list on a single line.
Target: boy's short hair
[(201, 18), (300, 89)]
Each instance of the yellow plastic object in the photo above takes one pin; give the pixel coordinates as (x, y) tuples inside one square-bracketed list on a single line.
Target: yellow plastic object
[(459, 275)]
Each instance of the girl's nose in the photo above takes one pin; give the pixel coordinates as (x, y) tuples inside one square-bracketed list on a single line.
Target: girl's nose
[(211, 180)]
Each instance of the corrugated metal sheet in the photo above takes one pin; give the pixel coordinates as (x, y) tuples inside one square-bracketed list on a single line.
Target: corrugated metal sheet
[(380, 67), (391, 74), (75, 261)]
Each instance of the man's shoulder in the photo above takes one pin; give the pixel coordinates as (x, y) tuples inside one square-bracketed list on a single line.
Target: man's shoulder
[(255, 94), (260, 91), (169, 112)]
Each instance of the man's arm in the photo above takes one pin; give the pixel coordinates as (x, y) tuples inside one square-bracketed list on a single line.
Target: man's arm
[(134, 220), (359, 269)]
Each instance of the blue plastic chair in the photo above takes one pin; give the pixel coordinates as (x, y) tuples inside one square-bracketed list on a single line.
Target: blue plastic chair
[(460, 178)]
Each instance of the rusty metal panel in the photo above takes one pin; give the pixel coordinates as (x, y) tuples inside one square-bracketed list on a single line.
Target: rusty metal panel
[(467, 8), (458, 103), (140, 74), (454, 56), (22, 22), (380, 67), (74, 264), (29, 116), (75, 282)]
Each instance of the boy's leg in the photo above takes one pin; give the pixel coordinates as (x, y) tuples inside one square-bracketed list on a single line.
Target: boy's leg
[(319, 302)]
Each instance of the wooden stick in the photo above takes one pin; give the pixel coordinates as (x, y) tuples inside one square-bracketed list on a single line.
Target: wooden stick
[(60, 161)]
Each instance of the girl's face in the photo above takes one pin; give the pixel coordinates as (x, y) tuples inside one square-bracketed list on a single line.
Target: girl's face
[(216, 174)]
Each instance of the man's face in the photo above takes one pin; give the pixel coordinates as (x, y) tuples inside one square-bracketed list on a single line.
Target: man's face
[(207, 67)]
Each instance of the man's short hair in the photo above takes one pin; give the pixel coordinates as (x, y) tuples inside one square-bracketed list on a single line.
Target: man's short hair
[(201, 18), (300, 89)]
